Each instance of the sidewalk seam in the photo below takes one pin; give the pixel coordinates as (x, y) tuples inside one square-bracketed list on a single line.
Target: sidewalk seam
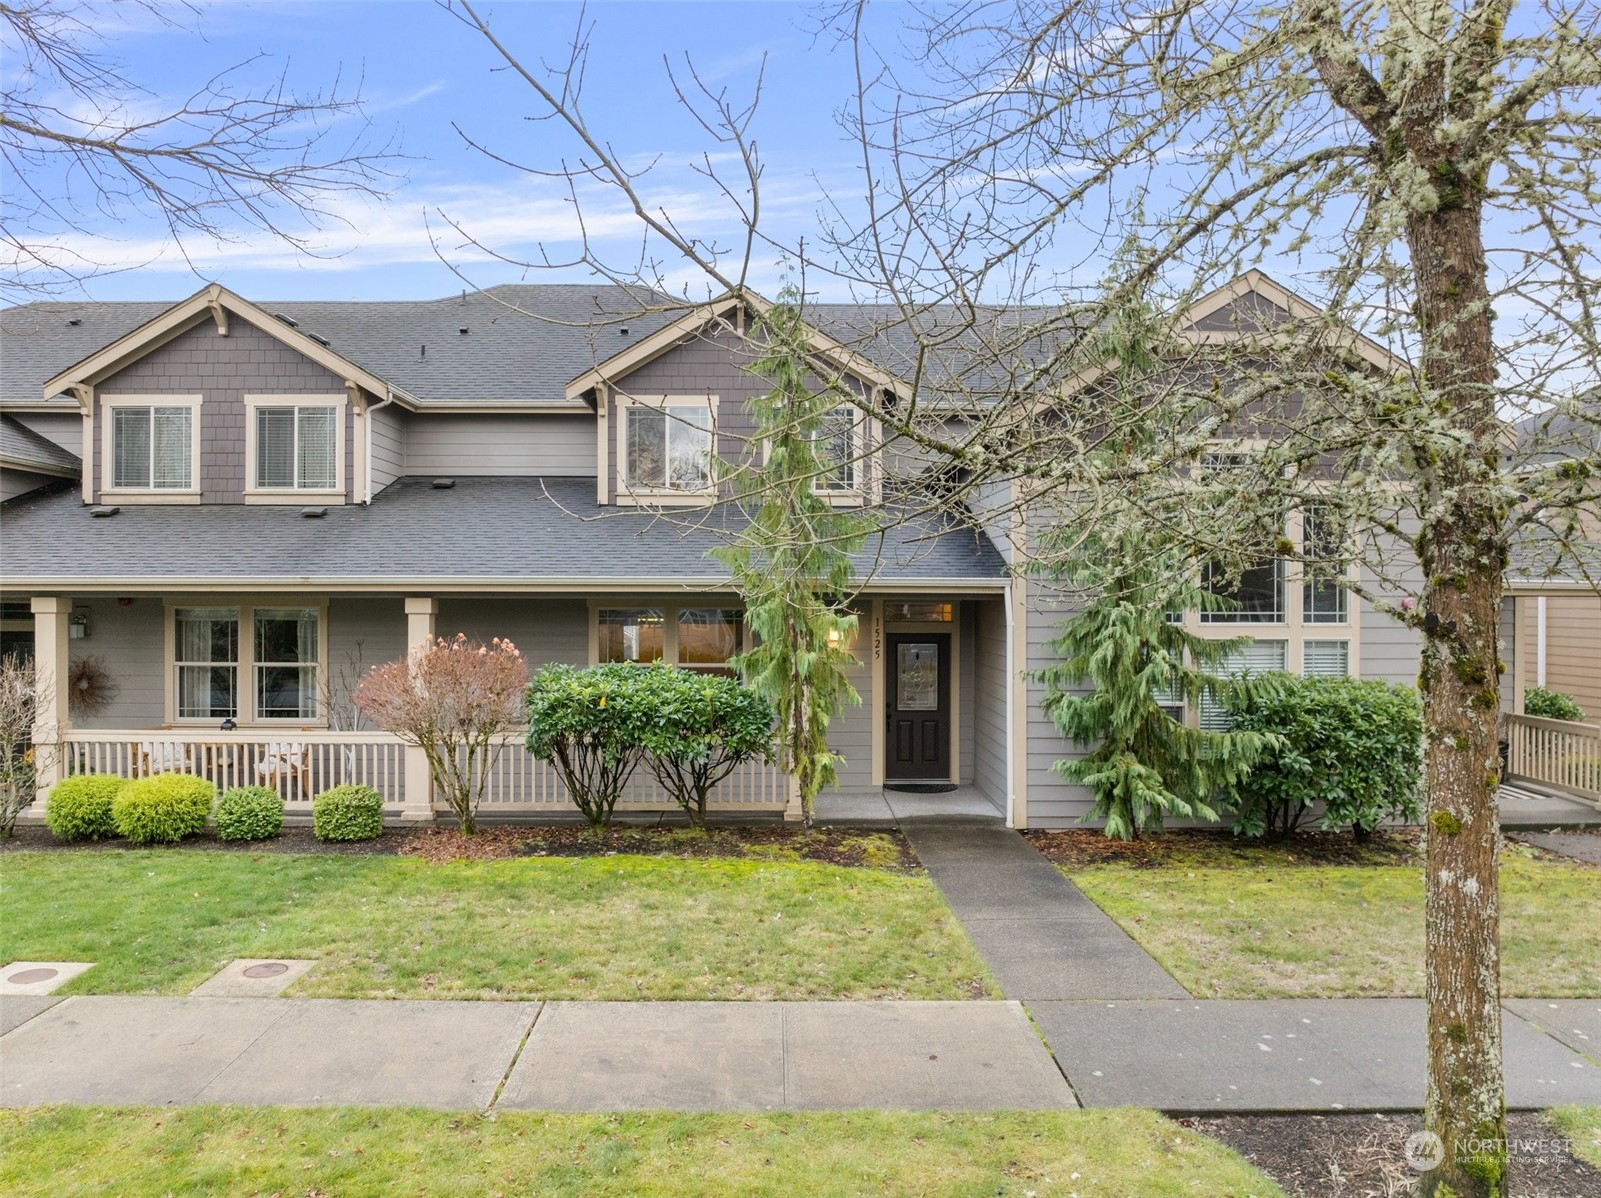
[(272, 1023), (500, 1087)]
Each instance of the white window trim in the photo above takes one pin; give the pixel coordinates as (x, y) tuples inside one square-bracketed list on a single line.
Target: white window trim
[(108, 425), (628, 495), (669, 610), (291, 495), (246, 665)]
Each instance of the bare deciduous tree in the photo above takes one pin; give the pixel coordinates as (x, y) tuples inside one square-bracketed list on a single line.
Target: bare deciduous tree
[(20, 700), (84, 143)]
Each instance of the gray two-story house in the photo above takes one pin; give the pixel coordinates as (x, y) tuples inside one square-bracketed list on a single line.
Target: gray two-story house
[(219, 514)]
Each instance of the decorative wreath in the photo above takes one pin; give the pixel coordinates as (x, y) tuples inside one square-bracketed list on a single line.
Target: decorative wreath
[(89, 687)]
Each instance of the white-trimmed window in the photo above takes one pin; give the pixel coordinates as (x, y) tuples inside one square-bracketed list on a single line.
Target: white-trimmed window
[(1326, 659), (151, 445), (253, 664), (1258, 594), (294, 446), (1323, 599), (838, 442), (694, 638), (206, 648), (1259, 657), (665, 446)]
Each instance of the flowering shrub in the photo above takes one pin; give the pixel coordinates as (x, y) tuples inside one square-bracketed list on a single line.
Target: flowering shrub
[(453, 699)]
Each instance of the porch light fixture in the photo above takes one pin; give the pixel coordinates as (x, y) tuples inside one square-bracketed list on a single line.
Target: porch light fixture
[(78, 625), (833, 638), (229, 725)]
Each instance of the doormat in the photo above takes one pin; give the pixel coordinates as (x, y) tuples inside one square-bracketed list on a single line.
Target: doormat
[(921, 788)]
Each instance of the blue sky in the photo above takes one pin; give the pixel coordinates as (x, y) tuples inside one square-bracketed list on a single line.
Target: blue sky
[(424, 72)]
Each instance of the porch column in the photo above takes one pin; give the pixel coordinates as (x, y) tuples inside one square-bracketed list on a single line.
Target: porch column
[(50, 721), (417, 806)]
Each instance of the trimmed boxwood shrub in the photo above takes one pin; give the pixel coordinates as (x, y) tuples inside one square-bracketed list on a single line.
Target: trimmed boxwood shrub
[(249, 813), (1551, 705), (348, 813), (80, 806), (163, 808), (1356, 747)]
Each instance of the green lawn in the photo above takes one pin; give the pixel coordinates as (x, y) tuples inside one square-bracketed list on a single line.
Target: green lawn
[(161, 922), (1582, 1126), (233, 1150), (1244, 928)]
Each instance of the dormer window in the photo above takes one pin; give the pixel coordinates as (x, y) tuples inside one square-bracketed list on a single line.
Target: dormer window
[(666, 446), (294, 448), (150, 447), (838, 452)]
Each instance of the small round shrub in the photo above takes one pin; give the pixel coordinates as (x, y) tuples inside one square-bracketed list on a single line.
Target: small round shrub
[(80, 806), (1548, 705), (163, 808), (249, 813), (348, 813)]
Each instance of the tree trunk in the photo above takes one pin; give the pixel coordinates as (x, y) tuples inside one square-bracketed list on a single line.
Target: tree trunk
[(1462, 553)]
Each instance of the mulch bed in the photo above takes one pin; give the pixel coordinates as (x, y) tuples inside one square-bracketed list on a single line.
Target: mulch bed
[(1079, 847), (831, 846), (292, 840), (1361, 1156)]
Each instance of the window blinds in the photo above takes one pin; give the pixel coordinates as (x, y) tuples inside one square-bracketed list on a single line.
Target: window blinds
[(1259, 657)]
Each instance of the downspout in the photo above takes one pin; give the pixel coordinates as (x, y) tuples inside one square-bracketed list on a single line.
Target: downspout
[(389, 398)]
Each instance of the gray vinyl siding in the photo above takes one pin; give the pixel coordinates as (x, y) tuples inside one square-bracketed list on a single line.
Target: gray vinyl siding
[(851, 732), (130, 643), (1052, 802), (989, 699), (714, 364), (387, 428), (363, 631), (64, 428), (553, 444), (546, 629), (20, 482), (223, 371)]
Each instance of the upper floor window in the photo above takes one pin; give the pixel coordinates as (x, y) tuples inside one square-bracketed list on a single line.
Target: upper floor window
[(294, 446), (666, 446), (151, 445), (1323, 599), (837, 452), (1258, 595)]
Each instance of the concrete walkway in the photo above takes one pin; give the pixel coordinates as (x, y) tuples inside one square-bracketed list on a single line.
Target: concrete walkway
[(1176, 1056), (966, 1056), (1041, 937)]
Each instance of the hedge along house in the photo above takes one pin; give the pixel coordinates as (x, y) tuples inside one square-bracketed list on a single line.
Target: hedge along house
[(274, 499)]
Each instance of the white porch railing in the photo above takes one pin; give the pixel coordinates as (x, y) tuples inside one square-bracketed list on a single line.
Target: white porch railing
[(300, 765), (1558, 753)]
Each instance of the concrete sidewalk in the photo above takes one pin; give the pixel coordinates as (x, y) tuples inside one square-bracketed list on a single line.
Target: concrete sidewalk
[(968, 1056), (1041, 937), (1177, 1056)]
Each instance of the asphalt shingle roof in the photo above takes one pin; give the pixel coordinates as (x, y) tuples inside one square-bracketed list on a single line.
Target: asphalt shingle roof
[(513, 530), (23, 449)]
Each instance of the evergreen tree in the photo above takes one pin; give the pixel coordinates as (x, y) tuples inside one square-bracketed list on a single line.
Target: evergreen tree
[(792, 563), (1145, 765)]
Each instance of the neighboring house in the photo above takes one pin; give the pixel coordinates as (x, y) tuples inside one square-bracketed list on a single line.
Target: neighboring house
[(272, 499)]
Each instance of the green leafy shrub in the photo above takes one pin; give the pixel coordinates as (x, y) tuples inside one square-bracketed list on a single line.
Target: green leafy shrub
[(1356, 747), (80, 806), (249, 813), (163, 808), (348, 813), (590, 725), (701, 727), (1551, 705)]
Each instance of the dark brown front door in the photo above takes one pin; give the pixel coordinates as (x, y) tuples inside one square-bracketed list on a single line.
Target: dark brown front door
[(918, 715)]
